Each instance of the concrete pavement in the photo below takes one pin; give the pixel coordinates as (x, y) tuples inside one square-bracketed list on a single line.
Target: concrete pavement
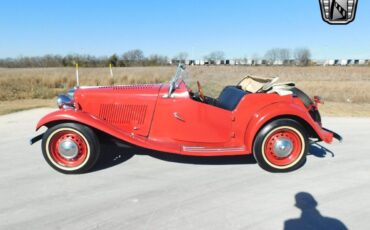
[(137, 189)]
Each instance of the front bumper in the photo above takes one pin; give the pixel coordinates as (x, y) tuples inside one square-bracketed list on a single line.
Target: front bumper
[(36, 139)]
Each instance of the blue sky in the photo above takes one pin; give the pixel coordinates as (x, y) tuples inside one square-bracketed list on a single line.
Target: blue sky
[(240, 28)]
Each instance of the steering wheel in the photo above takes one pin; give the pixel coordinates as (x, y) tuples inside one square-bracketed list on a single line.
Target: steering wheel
[(200, 90)]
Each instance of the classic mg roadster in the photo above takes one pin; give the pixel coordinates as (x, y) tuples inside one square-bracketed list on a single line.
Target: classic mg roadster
[(274, 122)]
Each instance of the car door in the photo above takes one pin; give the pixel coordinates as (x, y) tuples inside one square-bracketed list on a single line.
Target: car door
[(183, 119)]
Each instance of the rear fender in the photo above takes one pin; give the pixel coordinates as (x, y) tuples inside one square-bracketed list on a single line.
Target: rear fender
[(286, 110)]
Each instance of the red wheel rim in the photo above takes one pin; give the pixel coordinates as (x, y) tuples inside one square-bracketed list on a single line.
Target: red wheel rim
[(271, 142), (75, 138)]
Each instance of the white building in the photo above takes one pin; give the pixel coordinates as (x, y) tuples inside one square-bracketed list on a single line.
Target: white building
[(241, 62), (344, 62), (363, 62), (278, 62), (250, 62)]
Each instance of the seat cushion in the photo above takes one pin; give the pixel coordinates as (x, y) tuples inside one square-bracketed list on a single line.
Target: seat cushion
[(230, 97)]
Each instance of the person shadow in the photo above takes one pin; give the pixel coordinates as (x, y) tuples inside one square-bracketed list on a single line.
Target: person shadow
[(310, 217)]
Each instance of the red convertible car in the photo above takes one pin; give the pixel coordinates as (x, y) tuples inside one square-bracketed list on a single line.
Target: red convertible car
[(274, 122)]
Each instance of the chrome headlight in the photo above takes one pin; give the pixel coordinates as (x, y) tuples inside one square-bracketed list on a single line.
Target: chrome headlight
[(64, 102)]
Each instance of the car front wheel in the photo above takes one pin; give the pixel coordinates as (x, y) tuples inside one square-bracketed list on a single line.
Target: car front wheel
[(70, 148), (281, 146)]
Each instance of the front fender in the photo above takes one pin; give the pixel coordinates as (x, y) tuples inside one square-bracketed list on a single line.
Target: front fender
[(283, 109), (63, 115), (94, 122)]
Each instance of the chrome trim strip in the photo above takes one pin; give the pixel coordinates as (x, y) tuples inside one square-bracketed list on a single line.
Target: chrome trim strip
[(205, 149)]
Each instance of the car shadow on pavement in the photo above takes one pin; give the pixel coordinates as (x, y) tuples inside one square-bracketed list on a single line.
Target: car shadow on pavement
[(311, 217), (111, 155), (114, 153), (319, 151), (214, 160)]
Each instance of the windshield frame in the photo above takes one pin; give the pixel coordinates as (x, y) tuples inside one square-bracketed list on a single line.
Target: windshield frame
[(176, 79)]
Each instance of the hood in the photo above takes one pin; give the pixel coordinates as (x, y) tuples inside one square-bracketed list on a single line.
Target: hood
[(152, 89), (128, 107), (90, 98)]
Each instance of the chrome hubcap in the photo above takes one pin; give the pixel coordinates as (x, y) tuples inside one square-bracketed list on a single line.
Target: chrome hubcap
[(68, 149), (283, 147)]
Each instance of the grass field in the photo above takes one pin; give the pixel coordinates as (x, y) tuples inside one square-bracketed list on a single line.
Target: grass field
[(346, 90)]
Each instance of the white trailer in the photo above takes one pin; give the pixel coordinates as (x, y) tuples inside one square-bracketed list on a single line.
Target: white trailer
[(331, 62), (242, 62), (278, 62), (344, 62)]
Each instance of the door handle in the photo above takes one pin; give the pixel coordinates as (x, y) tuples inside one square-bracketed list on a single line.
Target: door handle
[(178, 117)]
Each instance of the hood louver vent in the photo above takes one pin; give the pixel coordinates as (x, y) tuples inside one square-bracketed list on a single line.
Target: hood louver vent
[(123, 114), (132, 87)]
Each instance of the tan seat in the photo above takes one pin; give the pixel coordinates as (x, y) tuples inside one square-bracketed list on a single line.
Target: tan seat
[(253, 84)]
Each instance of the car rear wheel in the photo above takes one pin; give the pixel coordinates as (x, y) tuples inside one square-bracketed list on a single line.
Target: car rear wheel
[(70, 148), (281, 146)]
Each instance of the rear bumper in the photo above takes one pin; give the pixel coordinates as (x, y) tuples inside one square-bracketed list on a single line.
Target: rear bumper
[(334, 134), (327, 135)]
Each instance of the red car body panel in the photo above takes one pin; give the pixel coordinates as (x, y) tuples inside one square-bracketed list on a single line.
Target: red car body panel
[(196, 122), (143, 115), (125, 107)]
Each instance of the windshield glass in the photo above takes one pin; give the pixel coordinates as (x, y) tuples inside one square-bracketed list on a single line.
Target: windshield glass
[(181, 75)]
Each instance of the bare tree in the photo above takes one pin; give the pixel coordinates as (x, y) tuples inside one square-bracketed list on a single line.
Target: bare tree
[(133, 58), (302, 56), (113, 60), (272, 55), (215, 56), (182, 56), (156, 59), (284, 54), (256, 56), (277, 54)]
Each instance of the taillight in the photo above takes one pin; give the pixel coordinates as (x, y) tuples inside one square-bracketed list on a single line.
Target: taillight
[(318, 100)]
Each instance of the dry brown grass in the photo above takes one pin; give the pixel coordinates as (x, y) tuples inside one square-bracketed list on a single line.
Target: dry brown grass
[(344, 87), (46, 83), (345, 109), (337, 84), (19, 105)]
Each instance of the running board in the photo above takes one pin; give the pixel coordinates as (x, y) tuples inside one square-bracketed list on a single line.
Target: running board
[(206, 149)]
